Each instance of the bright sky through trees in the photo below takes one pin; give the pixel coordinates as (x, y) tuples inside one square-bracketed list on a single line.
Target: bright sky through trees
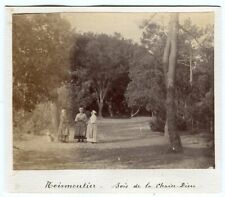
[(128, 23)]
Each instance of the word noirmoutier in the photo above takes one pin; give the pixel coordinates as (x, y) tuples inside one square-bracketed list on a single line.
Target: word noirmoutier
[(51, 185)]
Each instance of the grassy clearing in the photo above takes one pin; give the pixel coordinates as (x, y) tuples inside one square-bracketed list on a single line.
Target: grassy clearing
[(123, 144)]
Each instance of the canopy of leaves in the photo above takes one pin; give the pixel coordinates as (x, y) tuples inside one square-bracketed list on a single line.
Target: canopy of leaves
[(99, 61), (41, 44), (194, 74), (146, 88)]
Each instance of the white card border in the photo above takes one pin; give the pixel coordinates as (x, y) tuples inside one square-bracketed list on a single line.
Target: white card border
[(217, 87)]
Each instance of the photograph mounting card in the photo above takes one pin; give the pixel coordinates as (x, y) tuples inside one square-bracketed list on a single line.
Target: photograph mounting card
[(113, 99)]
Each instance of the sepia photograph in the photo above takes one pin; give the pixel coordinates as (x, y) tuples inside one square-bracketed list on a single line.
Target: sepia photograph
[(113, 90)]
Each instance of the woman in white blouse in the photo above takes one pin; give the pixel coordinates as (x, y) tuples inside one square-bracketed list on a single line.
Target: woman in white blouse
[(92, 128)]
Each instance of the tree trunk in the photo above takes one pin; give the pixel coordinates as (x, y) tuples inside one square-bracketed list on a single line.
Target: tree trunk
[(166, 132), (174, 138), (166, 55), (110, 109), (192, 123), (101, 94), (100, 101), (191, 69), (165, 69), (100, 107)]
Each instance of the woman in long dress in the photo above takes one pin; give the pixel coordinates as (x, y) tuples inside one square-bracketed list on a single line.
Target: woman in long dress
[(92, 128), (81, 125), (63, 130)]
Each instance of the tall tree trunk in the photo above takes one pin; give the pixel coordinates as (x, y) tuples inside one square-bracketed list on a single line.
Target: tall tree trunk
[(191, 69), (101, 93), (166, 132), (170, 73), (165, 68), (100, 103)]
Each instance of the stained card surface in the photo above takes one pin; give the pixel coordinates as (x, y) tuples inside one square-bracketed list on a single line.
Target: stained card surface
[(113, 99)]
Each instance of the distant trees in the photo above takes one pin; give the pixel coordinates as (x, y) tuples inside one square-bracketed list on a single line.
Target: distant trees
[(99, 61), (201, 78), (146, 88), (193, 77), (53, 63)]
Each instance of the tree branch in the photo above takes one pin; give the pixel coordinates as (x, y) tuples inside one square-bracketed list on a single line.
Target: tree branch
[(132, 115), (188, 32)]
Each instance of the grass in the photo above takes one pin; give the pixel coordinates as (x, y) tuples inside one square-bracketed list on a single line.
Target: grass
[(122, 144)]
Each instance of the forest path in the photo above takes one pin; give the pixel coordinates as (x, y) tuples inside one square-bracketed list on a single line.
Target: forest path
[(122, 144)]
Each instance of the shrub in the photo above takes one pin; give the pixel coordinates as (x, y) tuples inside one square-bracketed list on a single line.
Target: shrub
[(156, 124), (32, 122)]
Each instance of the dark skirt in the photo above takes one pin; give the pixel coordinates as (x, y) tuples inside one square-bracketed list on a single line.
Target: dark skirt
[(80, 130)]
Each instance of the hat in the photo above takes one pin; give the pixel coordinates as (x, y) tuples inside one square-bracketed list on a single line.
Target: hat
[(93, 111)]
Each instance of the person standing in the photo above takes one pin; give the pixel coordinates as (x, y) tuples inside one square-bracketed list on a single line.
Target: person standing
[(92, 128), (63, 130), (81, 125)]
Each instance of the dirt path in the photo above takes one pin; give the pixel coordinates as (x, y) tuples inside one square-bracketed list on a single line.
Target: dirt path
[(123, 143)]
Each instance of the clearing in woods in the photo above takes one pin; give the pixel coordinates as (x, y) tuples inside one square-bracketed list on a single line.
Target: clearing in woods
[(123, 144)]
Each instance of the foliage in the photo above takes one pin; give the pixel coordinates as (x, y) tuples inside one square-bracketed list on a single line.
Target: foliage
[(40, 57), (33, 122), (52, 63), (146, 87), (194, 84), (97, 63)]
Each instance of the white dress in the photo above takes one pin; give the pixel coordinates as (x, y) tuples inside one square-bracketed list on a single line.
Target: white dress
[(92, 129)]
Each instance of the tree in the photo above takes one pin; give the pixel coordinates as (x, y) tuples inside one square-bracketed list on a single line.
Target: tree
[(196, 59), (41, 45), (146, 88), (169, 62), (99, 60), (194, 73), (115, 99), (203, 81)]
